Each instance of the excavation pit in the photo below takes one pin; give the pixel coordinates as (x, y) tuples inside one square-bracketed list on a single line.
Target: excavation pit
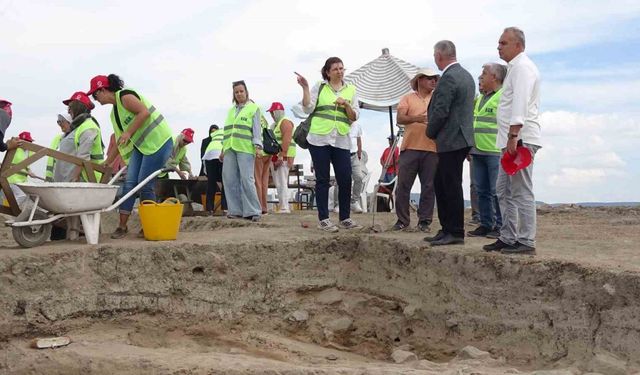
[(278, 298)]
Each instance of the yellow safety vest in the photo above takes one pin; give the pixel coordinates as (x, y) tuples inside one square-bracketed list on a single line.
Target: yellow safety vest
[(51, 162), (182, 151), (149, 138), (216, 140), (238, 129), (328, 115), (291, 152), (485, 124), (97, 152), (22, 175)]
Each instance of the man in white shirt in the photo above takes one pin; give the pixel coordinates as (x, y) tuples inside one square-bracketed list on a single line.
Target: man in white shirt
[(357, 172), (518, 124)]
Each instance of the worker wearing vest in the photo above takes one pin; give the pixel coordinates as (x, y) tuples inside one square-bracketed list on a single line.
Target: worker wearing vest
[(178, 160), (213, 169), (143, 135), (262, 168), (21, 176), (485, 156), (332, 106), (84, 139), (64, 121), (283, 161), (242, 143)]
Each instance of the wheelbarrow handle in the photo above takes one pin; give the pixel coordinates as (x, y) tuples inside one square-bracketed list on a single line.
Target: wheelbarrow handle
[(136, 188)]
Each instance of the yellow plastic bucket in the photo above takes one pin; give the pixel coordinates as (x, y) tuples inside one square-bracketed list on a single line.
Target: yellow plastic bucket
[(160, 221)]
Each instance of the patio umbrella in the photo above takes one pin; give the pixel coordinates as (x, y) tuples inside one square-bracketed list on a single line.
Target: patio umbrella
[(382, 82)]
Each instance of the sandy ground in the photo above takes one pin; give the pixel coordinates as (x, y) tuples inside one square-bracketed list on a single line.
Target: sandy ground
[(327, 285)]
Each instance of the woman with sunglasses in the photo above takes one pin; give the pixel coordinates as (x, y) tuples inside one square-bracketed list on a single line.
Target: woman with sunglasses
[(333, 107), (143, 135), (241, 145)]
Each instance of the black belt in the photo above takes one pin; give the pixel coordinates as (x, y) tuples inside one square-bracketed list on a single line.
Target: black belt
[(353, 153)]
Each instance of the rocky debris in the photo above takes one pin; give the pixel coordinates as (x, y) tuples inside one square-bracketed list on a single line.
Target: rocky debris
[(451, 323), (551, 372), (413, 312), (298, 316), (609, 288), (607, 364), (329, 296), (471, 352), (331, 357), (339, 325), (402, 356)]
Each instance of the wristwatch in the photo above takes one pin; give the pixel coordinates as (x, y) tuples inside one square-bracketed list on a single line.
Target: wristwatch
[(512, 136)]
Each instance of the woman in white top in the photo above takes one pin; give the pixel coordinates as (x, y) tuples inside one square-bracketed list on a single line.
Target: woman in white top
[(333, 107)]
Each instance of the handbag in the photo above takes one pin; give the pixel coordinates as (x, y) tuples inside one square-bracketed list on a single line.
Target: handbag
[(302, 130), (269, 143)]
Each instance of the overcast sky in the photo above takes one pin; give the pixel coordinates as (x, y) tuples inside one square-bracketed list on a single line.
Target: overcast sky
[(184, 55)]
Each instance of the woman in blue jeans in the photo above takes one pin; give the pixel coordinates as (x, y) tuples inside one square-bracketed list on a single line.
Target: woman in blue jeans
[(242, 143), (333, 107), (143, 136)]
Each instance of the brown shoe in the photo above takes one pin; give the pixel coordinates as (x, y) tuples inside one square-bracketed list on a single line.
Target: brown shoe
[(119, 233)]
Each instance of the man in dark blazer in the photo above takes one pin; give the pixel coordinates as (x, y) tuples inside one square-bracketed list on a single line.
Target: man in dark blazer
[(450, 124)]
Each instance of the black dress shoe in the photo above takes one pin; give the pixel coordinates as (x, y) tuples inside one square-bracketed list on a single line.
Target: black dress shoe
[(480, 231), (448, 239), (497, 246), (520, 249), (437, 237)]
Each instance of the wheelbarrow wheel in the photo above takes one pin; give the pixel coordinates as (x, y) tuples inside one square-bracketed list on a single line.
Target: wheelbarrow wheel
[(31, 235)]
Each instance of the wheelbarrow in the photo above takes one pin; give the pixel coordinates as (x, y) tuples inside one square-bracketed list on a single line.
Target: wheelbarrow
[(55, 200)]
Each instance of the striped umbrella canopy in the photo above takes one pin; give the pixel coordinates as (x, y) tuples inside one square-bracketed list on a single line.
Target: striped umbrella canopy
[(382, 82)]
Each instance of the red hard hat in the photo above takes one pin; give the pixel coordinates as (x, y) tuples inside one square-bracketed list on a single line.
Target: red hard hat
[(25, 136), (82, 98), (276, 106), (187, 134), (513, 163)]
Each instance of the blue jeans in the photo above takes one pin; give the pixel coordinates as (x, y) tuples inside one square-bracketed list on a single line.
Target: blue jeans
[(140, 167), (323, 157), (240, 184), (485, 173)]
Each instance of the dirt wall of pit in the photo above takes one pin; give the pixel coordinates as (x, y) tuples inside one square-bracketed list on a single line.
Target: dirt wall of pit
[(364, 293)]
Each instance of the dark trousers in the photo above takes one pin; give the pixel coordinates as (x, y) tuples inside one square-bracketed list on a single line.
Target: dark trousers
[(323, 157), (448, 187), (214, 175), (414, 163)]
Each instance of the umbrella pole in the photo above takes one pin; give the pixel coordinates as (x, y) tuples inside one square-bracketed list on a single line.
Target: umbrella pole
[(391, 120)]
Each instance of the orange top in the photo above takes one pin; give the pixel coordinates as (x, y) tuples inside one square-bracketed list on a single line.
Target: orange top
[(415, 134)]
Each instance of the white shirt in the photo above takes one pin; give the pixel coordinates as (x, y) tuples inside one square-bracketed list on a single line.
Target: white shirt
[(354, 133), (332, 139), (520, 102), (448, 66)]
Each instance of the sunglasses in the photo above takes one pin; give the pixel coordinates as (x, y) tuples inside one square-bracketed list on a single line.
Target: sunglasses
[(95, 93), (59, 122), (236, 83)]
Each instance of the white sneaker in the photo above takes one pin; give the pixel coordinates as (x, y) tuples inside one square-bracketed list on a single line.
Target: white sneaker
[(327, 226), (349, 224), (336, 209), (284, 211), (356, 208)]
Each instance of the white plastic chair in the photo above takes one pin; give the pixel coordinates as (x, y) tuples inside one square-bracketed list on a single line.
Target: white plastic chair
[(389, 198)]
